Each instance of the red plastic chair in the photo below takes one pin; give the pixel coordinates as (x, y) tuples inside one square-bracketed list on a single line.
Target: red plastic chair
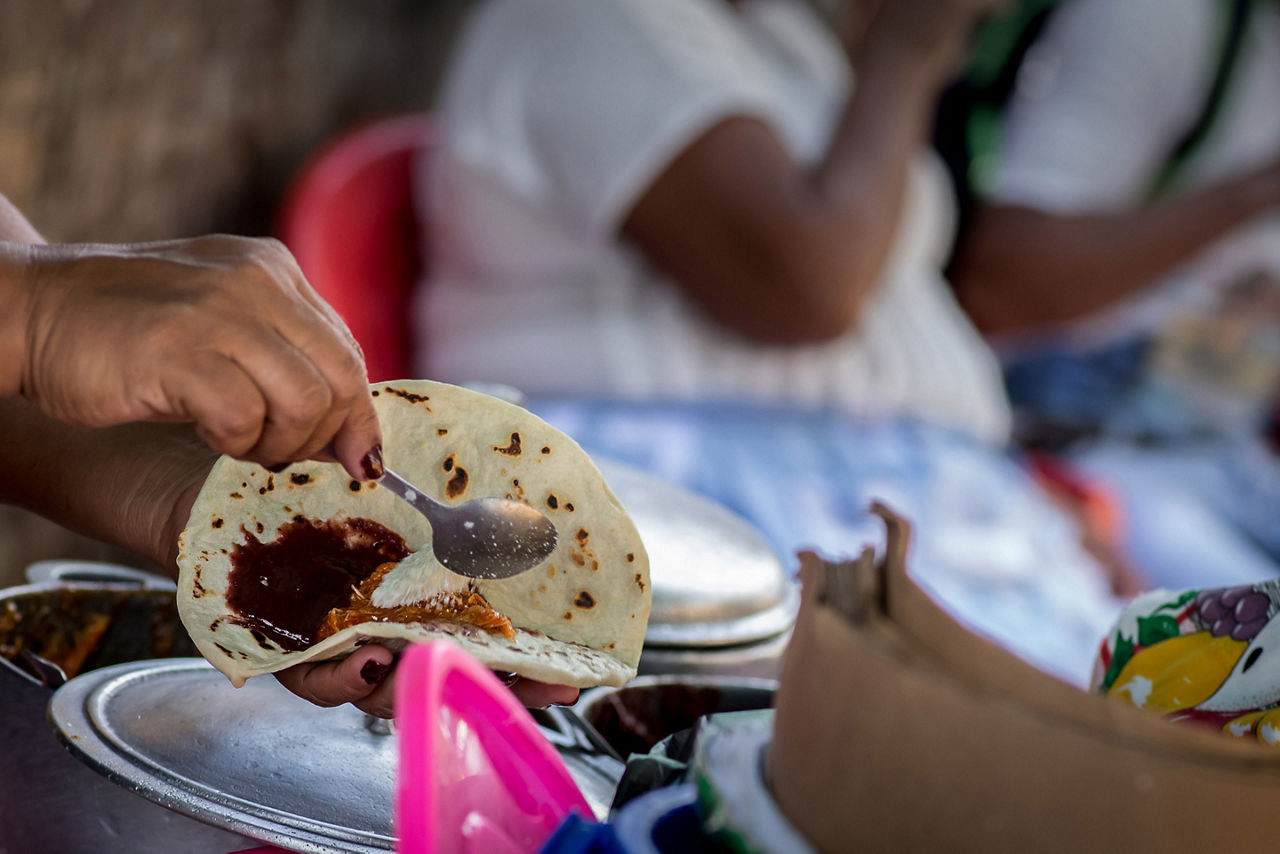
[(349, 219)]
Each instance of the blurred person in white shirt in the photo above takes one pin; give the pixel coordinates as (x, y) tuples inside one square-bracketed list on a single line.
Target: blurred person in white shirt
[(689, 199), (1125, 261), (705, 237)]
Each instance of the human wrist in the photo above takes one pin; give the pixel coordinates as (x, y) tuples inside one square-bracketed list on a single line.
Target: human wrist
[(181, 463), (906, 65), (930, 40), (168, 466), (165, 549)]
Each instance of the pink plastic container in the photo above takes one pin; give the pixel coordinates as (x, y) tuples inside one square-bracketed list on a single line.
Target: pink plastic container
[(476, 774)]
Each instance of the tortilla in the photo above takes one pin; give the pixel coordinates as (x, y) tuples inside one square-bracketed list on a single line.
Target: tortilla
[(579, 617)]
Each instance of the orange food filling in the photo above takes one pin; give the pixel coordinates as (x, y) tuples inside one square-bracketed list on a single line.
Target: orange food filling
[(462, 607)]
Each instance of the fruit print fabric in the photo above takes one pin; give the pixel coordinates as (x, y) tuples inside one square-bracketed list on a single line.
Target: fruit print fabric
[(1208, 657)]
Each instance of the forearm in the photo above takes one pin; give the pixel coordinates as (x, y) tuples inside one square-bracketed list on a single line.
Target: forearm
[(131, 485), (783, 253), (123, 485), (819, 247), (861, 182), (1020, 268)]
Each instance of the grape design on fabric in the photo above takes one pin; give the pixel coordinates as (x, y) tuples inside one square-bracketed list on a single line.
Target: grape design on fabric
[(1238, 612)]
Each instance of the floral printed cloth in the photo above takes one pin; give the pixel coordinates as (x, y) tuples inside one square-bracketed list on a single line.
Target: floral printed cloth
[(1208, 657)]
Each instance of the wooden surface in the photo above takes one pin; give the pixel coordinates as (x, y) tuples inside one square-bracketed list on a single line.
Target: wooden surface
[(145, 119), (127, 120)]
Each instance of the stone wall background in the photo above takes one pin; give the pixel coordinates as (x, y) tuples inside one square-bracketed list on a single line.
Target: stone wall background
[(127, 120)]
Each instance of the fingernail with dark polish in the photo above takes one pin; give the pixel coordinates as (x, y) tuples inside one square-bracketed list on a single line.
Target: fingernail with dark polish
[(279, 467), (372, 672), (372, 463)]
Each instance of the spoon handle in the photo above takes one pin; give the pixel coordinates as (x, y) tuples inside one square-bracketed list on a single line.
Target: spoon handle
[(428, 507)]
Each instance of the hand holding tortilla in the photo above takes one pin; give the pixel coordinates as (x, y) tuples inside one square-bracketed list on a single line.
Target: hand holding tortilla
[(221, 331), (366, 680), (308, 565)]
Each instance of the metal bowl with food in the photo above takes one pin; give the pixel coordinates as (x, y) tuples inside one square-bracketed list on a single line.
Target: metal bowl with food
[(74, 618)]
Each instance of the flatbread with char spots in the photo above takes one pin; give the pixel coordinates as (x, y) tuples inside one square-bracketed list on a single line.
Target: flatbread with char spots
[(308, 564)]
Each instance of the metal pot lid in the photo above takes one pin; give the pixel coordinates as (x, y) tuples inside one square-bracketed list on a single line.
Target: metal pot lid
[(716, 581), (256, 760), (263, 763)]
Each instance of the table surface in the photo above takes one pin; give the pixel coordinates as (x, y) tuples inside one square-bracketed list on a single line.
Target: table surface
[(988, 545)]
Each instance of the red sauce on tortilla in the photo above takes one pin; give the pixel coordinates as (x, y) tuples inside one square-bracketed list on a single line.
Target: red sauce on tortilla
[(286, 587)]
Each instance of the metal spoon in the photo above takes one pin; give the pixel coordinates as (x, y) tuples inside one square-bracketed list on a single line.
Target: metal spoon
[(482, 538)]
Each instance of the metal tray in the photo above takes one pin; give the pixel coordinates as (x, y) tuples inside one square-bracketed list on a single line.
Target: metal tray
[(257, 761), (262, 763)]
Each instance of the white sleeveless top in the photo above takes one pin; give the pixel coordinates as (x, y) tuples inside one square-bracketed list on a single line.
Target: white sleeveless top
[(557, 115)]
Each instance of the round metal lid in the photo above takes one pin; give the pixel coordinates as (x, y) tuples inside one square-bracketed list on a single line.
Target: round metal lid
[(255, 760), (263, 763), (716, 581)]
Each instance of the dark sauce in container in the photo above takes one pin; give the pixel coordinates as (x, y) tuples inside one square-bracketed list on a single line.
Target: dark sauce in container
[(284, 588), (633, 720)]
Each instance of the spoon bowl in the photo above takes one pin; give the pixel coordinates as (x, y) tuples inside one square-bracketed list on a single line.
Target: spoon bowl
[(484, 537)]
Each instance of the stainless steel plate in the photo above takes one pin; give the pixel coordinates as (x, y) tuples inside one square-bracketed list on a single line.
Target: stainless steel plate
[(256, 760), (261, 762), (50, 802)]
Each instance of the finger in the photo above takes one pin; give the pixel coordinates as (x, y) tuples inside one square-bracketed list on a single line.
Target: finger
[(351, 435), (305, 360), (268, 257), (224, 402), (319, 445), (357, 433), (358, 442), (315, 327), (332, 683), (539, 695), (298, 399), (290, 269), (336, 320)]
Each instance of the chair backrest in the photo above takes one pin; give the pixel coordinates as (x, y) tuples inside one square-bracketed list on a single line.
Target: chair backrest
[(349, 219)]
